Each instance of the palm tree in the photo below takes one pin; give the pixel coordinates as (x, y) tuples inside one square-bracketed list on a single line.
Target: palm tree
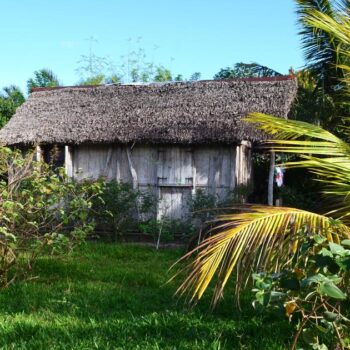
[(256, 237), (320, 46), (321, 80)]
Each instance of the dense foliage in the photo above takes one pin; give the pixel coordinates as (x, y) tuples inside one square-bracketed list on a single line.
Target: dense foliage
[(40, 212), (10, 99), (42, 78), (313, 293), (119, 207), (246, 70)]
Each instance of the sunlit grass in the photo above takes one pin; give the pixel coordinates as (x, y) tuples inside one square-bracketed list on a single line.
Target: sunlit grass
[(115, 297)]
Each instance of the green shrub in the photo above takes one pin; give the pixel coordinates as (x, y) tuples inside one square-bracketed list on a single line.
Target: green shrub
[(315, 293), (41, 212), (167, 229), (120, 207)]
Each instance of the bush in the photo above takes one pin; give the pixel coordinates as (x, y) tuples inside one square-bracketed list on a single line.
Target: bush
[(120, 207), (167, 229), (314, 293), (41, 212)]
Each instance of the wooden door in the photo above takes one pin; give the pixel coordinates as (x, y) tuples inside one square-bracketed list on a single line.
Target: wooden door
[(175, 181)]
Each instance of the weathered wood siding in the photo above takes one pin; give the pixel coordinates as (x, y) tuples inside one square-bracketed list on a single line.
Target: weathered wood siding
[(172, 172)]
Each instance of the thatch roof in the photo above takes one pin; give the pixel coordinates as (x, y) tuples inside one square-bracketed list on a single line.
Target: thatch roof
[(182, 112)]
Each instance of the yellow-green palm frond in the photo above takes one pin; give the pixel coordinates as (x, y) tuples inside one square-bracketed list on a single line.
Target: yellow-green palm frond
[(338, 27), (292, 136), (257, 238), (334, 173), (323, 153)]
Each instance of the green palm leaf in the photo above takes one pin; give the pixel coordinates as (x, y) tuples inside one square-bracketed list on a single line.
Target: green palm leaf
[(259, 237)]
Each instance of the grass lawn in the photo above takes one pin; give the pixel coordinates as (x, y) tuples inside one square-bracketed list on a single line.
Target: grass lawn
[(113, 297)]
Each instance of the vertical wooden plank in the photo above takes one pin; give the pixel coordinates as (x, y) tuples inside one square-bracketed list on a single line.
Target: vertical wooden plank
[(117, 160), (201, 163), (145, 163), (194, 179), (38, 154), (232, 170), (68, 161), (243, 163), (132, 169), (107, 166)]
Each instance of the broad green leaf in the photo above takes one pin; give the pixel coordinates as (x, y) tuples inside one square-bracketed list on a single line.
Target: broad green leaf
[(331, 290), (330, 316), (336, 249), (346, 242)]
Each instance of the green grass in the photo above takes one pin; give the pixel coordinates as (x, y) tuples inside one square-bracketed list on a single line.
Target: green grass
[(114, 297)]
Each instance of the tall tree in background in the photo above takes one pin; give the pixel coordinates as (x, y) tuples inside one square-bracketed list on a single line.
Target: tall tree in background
[(10, 99), (195, 76), (246, 70), (162, 74), (43, 78)]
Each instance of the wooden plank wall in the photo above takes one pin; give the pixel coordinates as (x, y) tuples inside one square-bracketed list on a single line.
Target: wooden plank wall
[(173, 173)]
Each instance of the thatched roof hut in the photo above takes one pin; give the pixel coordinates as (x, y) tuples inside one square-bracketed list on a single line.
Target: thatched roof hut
[(174, 113), (171, 139)]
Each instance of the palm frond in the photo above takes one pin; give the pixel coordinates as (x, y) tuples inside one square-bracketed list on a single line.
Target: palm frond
[(324, 154), (319, 45), (259, 237), (292, 136)]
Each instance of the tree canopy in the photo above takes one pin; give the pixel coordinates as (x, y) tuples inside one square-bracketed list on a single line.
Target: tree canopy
[(43, 78), (11, 97), (246, 70)]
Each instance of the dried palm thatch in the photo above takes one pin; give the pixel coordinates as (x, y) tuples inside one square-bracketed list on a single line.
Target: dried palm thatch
[(178, 113)]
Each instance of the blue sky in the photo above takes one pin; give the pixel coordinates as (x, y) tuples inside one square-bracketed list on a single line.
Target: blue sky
[(184, 35)]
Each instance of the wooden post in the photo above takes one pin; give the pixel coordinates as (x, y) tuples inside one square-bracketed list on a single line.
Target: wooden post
[(271, 178), (38, 154), (68, 161)]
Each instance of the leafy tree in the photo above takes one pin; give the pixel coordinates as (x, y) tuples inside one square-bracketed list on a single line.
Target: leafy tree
[(10, 99), (162, 74), (195, 76), (42, 78), (93, 80), (113, 79), (178, 77), (323, 110), (100, 79), (246, 70)]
